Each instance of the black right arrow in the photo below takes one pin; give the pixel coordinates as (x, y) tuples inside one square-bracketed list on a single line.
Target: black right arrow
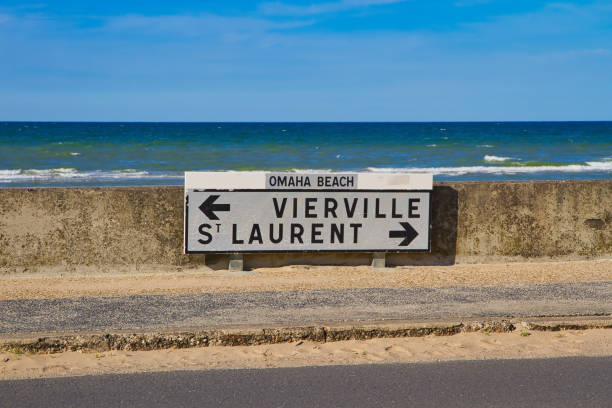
[(409, 234), (208, 207)]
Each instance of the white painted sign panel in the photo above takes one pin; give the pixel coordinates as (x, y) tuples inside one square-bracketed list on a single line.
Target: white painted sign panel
[(294, 212)]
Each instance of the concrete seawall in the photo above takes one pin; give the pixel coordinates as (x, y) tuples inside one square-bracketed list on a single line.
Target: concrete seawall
[(71, 228)]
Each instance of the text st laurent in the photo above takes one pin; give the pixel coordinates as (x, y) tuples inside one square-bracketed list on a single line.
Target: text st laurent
[(303, 209)]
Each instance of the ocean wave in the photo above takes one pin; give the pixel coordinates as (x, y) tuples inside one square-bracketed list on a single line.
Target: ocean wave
[(64, 174), (491, 158), (60, 175), (595, 166), (323, 171)]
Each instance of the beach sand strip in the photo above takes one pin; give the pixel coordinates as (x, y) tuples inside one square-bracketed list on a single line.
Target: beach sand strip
[(518, 344), (152, 280)]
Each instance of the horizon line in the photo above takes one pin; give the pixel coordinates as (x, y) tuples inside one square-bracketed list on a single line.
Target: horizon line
[(305, 122)]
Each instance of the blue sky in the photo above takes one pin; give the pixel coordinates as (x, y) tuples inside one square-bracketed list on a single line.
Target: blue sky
[(336, 60)]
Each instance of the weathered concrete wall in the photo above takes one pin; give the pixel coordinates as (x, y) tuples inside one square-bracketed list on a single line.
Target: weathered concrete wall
[(534, 219), (472, 222)]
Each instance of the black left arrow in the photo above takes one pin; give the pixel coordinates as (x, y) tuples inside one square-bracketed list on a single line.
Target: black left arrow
[(409, 234), (209, 207)]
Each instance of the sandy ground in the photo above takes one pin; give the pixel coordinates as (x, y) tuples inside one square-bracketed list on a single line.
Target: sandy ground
[(301, 278), (465, 346)]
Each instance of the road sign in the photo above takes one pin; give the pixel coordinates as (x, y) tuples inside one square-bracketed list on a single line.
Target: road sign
[(294, 212)]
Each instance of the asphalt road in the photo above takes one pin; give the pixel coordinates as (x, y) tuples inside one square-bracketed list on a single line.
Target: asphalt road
[(565, 382), (301, 307)]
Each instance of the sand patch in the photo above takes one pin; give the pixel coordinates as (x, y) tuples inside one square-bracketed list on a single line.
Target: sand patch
[(464, 346), (302, 278)]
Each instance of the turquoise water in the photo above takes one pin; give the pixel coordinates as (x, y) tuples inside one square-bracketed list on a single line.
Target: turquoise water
[(54, 154)]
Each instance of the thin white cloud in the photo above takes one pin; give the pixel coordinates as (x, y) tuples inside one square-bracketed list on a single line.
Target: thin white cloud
[(562, 6), (554, 20), (278, 8), (598, 51), (33, 6), (196, 25), (470, 3)]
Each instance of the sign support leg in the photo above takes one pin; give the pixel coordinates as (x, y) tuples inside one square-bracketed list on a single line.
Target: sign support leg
[(236, 263), (379, 260)]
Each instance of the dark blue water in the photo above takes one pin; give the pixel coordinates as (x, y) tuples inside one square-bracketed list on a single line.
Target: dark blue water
[(53, 154)]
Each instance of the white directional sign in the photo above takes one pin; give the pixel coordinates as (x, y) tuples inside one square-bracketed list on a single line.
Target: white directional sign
[(289, 212)]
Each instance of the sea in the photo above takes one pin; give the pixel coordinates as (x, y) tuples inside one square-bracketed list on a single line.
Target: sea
[(50, 154)]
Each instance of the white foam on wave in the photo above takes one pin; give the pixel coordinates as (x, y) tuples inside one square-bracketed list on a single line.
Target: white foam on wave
[(311, 170), (64, 174), (491, 158), (599, 166)]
